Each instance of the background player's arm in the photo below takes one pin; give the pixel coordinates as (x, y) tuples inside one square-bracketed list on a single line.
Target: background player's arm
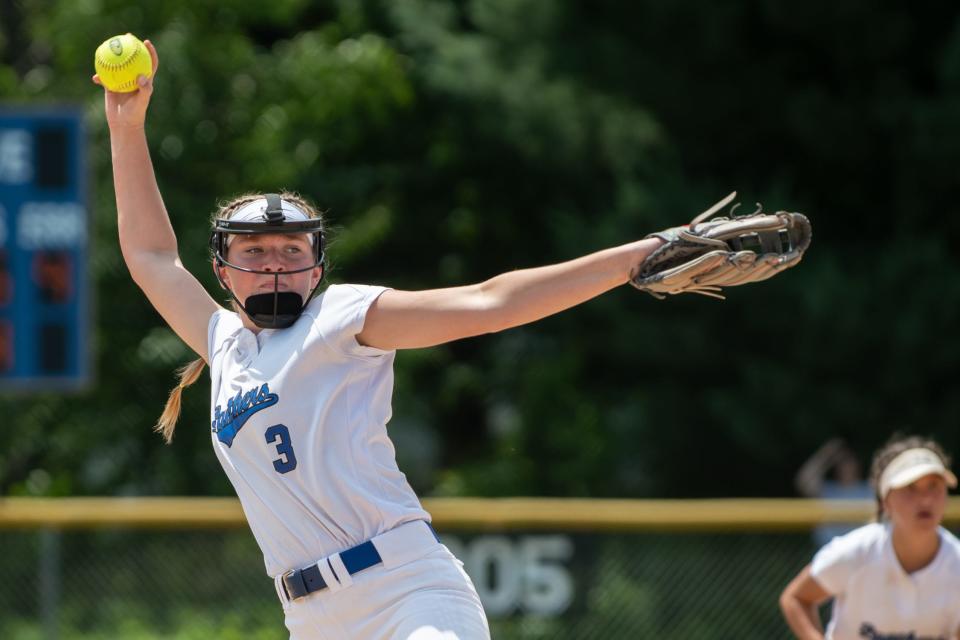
[(147, 240), (799, 603), (412, 319), (810, 477)]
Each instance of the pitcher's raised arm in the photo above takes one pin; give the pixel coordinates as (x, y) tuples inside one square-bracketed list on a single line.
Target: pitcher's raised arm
[(147, 239)]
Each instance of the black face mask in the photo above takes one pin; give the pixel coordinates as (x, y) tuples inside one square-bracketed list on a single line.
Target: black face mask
[(279, 309)]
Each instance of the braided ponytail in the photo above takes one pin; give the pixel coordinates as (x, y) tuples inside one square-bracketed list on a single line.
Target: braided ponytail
[(188, 374)]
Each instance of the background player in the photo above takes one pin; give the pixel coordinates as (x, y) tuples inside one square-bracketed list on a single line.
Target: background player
[(896, 578), (833, 472)]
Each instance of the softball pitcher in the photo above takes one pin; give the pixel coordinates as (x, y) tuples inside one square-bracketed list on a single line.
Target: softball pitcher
[(301, 386), (301, 394), (898, 578)]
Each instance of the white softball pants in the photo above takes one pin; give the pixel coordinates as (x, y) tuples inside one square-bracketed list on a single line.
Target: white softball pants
[(419, 592)]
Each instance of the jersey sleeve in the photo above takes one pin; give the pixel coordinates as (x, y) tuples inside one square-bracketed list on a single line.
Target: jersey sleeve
[(836, 561), (342, 316), (217, 330), (953, 569)]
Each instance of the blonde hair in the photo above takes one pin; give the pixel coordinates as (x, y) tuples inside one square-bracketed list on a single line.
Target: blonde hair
[(190, 372)]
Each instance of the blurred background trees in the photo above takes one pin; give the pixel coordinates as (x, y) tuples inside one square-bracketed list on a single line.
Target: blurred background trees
[(451, 141)]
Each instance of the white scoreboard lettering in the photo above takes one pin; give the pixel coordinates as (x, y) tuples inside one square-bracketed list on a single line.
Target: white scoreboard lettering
[(16, 156), (51, 225)]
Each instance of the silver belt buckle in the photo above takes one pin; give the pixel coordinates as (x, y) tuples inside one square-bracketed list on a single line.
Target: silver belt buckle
[(294, 588)]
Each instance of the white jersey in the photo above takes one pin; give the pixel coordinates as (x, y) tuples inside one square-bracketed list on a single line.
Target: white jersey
[(875, 598), (298, 420)]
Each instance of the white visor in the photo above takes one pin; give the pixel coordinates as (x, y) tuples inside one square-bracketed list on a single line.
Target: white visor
[(256, 212), (910, 466)]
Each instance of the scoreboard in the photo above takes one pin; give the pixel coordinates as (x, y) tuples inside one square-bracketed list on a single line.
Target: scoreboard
[(44, 244)]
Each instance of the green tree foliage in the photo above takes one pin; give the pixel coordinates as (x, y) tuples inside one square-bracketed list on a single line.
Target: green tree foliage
[(450, 141)]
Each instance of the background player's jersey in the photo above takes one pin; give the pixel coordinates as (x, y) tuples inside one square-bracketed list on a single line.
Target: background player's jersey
[(875, 598), (298, 419)]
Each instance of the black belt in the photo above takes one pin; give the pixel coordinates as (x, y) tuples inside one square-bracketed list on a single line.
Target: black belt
[(302, 582)]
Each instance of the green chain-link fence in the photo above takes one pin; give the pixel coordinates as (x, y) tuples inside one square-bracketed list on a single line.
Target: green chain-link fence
[(206, 584)]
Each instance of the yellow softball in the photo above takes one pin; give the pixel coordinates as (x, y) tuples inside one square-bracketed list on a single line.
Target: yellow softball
[(120, 60)]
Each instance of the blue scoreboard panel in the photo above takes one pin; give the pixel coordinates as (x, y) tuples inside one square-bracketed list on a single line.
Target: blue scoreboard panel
[(44, 243)]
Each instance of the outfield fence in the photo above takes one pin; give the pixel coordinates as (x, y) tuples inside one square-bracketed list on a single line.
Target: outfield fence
[(185, 568)]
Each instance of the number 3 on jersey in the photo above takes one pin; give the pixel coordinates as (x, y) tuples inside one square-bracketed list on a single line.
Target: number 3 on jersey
[(288, 461)]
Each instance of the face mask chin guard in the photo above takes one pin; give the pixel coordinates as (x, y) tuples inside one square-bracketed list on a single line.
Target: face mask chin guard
[(279, 309)]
